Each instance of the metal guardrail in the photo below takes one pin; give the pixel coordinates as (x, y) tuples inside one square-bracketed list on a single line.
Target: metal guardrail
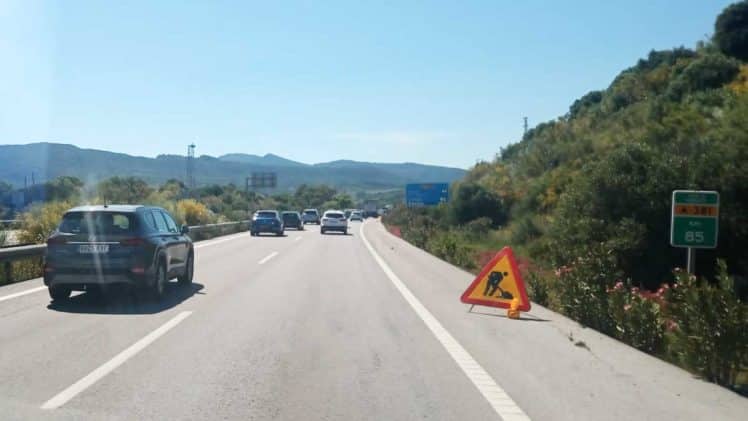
[(199, 232)]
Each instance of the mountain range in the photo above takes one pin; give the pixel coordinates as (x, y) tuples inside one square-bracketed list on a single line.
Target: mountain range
[(49, 160)]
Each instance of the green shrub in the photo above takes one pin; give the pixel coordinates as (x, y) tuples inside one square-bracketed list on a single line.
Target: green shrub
[(192, 212), (539, 289), (637, 319), (40, 220), (448, 246), (478, 228), (582, 289), (710, 335), (524, 230)]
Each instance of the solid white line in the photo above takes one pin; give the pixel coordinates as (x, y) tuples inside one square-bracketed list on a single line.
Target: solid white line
[(63, 397), (212, 243), (268, 257), (500, 401), (22, 293)]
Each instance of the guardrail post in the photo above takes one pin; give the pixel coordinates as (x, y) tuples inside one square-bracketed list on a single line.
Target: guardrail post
[(8, 270)]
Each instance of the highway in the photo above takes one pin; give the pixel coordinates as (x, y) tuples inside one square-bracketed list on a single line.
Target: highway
[(334, 327)]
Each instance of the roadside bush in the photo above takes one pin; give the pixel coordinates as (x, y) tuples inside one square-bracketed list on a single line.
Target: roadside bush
[(478, 228), (192, 212), (637, 318), (524, 230), (582, 289), (710, 335), (448, 246), (473, 201), (40, 220), (539, 289)]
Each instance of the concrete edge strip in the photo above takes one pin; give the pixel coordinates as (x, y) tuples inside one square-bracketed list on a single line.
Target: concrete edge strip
[(499, 400)]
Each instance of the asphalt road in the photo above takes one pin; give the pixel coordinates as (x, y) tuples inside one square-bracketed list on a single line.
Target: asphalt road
[(334, 327)]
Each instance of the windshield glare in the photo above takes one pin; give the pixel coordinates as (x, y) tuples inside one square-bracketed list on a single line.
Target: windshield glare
[(104, 223)]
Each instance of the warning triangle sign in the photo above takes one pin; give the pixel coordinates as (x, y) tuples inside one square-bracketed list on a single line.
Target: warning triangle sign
[(498, 283)]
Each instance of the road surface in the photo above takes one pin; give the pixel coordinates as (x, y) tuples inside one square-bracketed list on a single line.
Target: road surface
[(312, 327)]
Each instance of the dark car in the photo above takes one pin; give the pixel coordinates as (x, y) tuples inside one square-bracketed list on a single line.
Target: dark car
[(97, 246), (267, 221), (292, 220)]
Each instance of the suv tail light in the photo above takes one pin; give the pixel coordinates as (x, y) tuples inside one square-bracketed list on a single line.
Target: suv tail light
[(132, 242)]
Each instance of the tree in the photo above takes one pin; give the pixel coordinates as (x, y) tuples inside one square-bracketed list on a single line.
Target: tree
[(124, 190), (473, 201), (63, 188), (731, 30)]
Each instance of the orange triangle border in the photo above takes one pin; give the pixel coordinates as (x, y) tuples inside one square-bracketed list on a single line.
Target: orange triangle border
[(509, 254)]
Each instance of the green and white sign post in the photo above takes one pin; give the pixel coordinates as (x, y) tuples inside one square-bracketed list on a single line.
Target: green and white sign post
[(694, 222)]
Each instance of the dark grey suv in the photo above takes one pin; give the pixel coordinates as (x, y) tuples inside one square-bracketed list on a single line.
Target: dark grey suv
[(96, 246)]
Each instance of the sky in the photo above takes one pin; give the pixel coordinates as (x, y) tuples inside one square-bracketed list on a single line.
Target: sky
[(436, 82)]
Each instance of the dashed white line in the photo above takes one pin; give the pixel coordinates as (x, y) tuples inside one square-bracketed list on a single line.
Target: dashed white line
[(22, 293), (268, 257), (500, 401), (63, 397)]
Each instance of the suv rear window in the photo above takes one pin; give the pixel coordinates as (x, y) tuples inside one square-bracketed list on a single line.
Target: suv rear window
[(266, 214), (107, 223), (335, 215), (310, 212)]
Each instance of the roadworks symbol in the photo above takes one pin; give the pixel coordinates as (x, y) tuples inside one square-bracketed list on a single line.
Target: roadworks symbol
[(498, 283)]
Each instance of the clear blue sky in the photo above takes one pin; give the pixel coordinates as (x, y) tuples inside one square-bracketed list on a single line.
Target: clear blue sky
[(435, 82)]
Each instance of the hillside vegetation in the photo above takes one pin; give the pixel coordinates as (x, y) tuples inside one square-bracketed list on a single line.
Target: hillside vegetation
[(585, 199)]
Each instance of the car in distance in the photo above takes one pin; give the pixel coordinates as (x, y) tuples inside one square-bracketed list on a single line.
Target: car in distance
[(292, 220), (310, 216), (266, 221), (334, 220), (356, 216), (348, 212), (97, 246)]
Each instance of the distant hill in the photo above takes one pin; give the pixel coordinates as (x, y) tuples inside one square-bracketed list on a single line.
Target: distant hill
[(268, 160), (50, 160)]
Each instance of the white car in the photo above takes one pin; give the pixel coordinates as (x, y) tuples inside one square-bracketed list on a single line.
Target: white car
[(356, 216), (334, 220)]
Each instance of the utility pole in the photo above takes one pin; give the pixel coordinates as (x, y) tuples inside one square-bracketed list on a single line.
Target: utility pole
[(525, 126), (190, 167)]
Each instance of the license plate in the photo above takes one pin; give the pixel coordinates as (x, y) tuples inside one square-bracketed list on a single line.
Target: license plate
[(93, 248)]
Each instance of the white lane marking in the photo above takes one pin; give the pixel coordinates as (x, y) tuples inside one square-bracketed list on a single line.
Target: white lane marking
[(268, 257), (297, 238), (504, 406), (212, 243), (22, 293), (63, 397)]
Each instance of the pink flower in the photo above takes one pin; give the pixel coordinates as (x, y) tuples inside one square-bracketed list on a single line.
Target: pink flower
[(671, 325), (618, 286), (634, 290), (627, 307)]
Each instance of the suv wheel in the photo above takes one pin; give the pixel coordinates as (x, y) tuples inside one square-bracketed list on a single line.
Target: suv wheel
[(159, 284), (189, 271), (59, 293)]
